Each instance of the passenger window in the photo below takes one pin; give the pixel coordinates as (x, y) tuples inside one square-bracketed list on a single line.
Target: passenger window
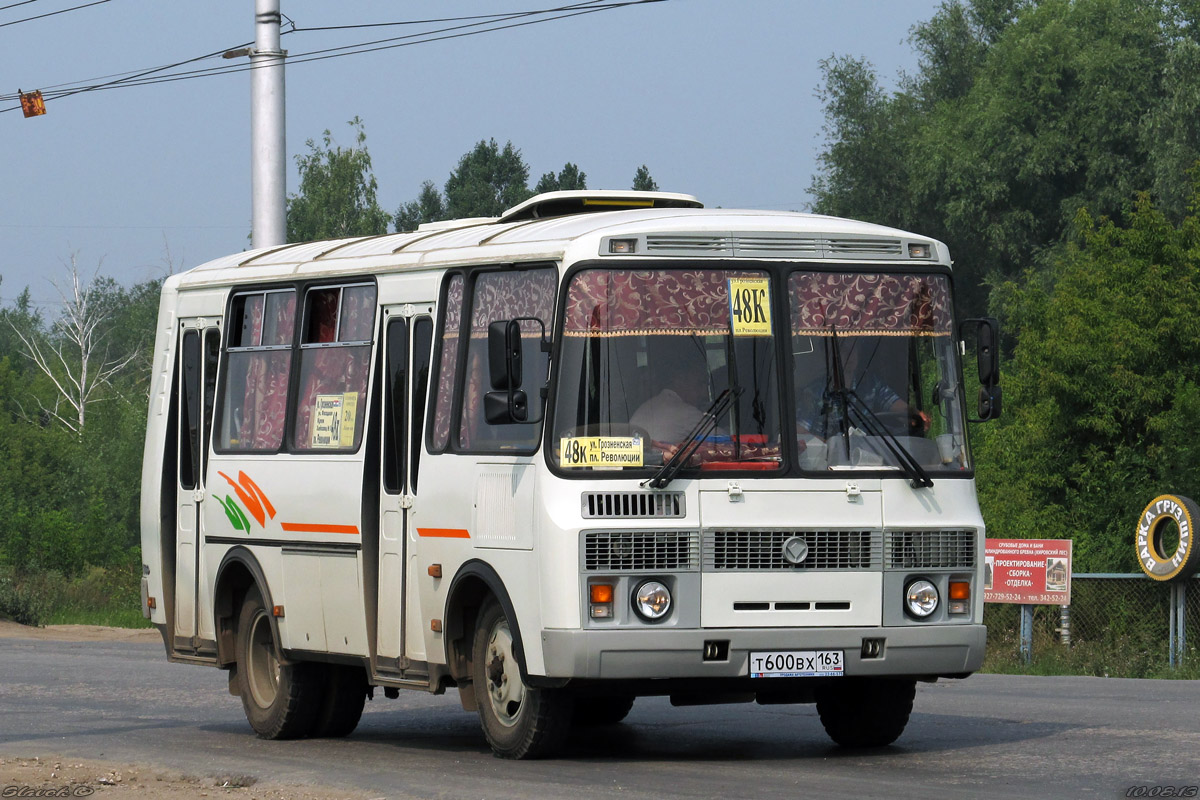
[(498, 296), (447, 362), (254, 400), (335, 356)]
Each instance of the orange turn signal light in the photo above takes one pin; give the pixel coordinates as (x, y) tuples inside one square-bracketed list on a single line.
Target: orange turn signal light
[(601, 592), (960, 590)]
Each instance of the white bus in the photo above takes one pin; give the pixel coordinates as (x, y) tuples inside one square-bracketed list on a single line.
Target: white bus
[(606, 445)]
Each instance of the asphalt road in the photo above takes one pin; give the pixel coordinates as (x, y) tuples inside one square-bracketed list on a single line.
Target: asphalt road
[(987, 736)]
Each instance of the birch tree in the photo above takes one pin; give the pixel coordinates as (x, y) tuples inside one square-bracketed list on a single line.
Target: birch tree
[(74, 354)]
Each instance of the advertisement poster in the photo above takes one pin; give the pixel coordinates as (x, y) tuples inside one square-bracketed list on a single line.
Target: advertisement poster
[(1027, 571)]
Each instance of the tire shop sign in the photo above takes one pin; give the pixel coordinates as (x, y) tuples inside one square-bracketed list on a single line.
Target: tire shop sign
[(1027, 571)]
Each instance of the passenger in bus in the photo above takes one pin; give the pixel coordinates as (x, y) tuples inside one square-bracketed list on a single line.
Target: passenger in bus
[(669, 416)]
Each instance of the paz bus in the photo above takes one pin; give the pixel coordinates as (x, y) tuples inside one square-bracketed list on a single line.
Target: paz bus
[(603, 446)]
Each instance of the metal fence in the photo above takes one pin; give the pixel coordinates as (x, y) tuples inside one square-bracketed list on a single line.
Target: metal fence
[(1117, 625)]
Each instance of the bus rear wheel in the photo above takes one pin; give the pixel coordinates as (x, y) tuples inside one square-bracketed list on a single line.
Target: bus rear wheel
[(866, 712), (519, 721), (345, 694), (281, 700)]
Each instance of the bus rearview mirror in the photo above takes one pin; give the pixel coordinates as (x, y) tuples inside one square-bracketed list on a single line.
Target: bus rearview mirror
[(504, 354)]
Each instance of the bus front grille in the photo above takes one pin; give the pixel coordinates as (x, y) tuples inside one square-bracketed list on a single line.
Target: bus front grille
[(929, 549), (770, 550), (628, 551)]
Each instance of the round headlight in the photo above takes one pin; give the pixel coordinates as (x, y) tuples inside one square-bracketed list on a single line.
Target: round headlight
[(921, 598), (652, 600)]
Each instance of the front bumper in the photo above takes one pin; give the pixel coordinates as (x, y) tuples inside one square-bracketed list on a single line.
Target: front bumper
[(911, 651)]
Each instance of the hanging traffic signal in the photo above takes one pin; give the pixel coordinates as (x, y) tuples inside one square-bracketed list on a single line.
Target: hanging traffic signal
[(32, 104)]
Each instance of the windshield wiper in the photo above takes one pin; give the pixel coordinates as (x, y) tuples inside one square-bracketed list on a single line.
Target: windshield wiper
[(704, 427), (852, 403)]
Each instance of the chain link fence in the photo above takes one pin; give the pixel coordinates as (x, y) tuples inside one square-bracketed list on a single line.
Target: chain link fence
[(1116, 626)]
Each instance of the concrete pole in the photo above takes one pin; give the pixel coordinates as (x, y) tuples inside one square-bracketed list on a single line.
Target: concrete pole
[(268, 178)]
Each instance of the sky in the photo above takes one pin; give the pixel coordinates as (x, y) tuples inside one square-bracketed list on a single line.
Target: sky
[(719, 98)]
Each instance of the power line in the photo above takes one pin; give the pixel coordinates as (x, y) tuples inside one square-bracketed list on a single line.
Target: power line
[(51, 14), (14, 5), (140, 78)]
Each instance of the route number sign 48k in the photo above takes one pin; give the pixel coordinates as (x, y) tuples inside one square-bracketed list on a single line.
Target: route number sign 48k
[(750, 306)]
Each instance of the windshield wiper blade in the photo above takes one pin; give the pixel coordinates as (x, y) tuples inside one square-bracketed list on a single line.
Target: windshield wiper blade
[(851, 402), (909, 465), (703, 428)]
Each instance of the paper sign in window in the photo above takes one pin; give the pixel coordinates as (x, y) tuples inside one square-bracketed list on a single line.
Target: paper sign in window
[(334, 419), (603, 452), (750, 306)]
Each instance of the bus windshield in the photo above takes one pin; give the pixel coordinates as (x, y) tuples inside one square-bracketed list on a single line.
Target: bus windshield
[(647, 357), (646, 353), (875, 371)]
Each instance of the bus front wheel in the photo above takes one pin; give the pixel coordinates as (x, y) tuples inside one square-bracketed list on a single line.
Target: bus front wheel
[(519, 721), (281, 700), (866, 712)]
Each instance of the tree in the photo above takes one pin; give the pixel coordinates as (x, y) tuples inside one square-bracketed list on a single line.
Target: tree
[(568, 179), (1021, 114), (428, 207), (75, 355), (642, 182), (337, 192), (1103, 390), (487, 181)]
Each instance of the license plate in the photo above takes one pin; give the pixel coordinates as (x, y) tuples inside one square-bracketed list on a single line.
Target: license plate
[(797, 664)]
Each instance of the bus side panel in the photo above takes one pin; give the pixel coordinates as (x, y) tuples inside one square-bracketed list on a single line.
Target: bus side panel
[(313, 522), (157, 516)]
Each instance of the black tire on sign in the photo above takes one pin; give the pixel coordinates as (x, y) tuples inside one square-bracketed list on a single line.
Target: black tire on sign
[(1156, 521)]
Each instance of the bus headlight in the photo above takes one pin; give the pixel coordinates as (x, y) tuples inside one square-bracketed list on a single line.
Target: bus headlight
[(652, 600), (921, 598)]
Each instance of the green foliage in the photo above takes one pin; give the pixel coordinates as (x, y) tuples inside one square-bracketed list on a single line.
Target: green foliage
[(1021, 114), (337, 192), (428, 207), (71, 501), (487, 181), (568, 179), (642, 182), (1103, 390)]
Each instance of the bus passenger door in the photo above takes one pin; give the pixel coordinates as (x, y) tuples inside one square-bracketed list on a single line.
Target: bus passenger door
[(408, 339), (200, 345)]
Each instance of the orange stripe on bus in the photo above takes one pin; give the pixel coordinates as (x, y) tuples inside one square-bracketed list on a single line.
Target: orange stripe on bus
[(300, 527), (444, 533)]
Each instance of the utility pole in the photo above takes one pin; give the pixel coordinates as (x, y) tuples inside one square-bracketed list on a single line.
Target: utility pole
[(268, 178)]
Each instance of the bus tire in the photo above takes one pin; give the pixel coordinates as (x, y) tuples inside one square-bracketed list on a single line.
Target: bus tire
[(602, 710), (345, 694), (281, 700), (1164, 511), (865, 712), (519, 721)]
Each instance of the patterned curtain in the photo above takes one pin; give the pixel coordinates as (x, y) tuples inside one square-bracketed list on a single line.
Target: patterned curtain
[(691, 302), (264, 406), (449, 359), (873, 305), (497, 296), (335, 370)]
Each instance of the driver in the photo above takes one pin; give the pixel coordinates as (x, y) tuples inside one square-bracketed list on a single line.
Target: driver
[(819, 409), (670, 415)]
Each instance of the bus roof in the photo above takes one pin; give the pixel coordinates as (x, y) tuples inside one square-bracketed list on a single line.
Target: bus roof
[(677, 227)]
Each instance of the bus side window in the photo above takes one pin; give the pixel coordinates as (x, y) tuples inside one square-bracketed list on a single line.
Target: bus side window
[(497, 296), (335, 354), (422, 353), (443, 406), (259, 361)]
